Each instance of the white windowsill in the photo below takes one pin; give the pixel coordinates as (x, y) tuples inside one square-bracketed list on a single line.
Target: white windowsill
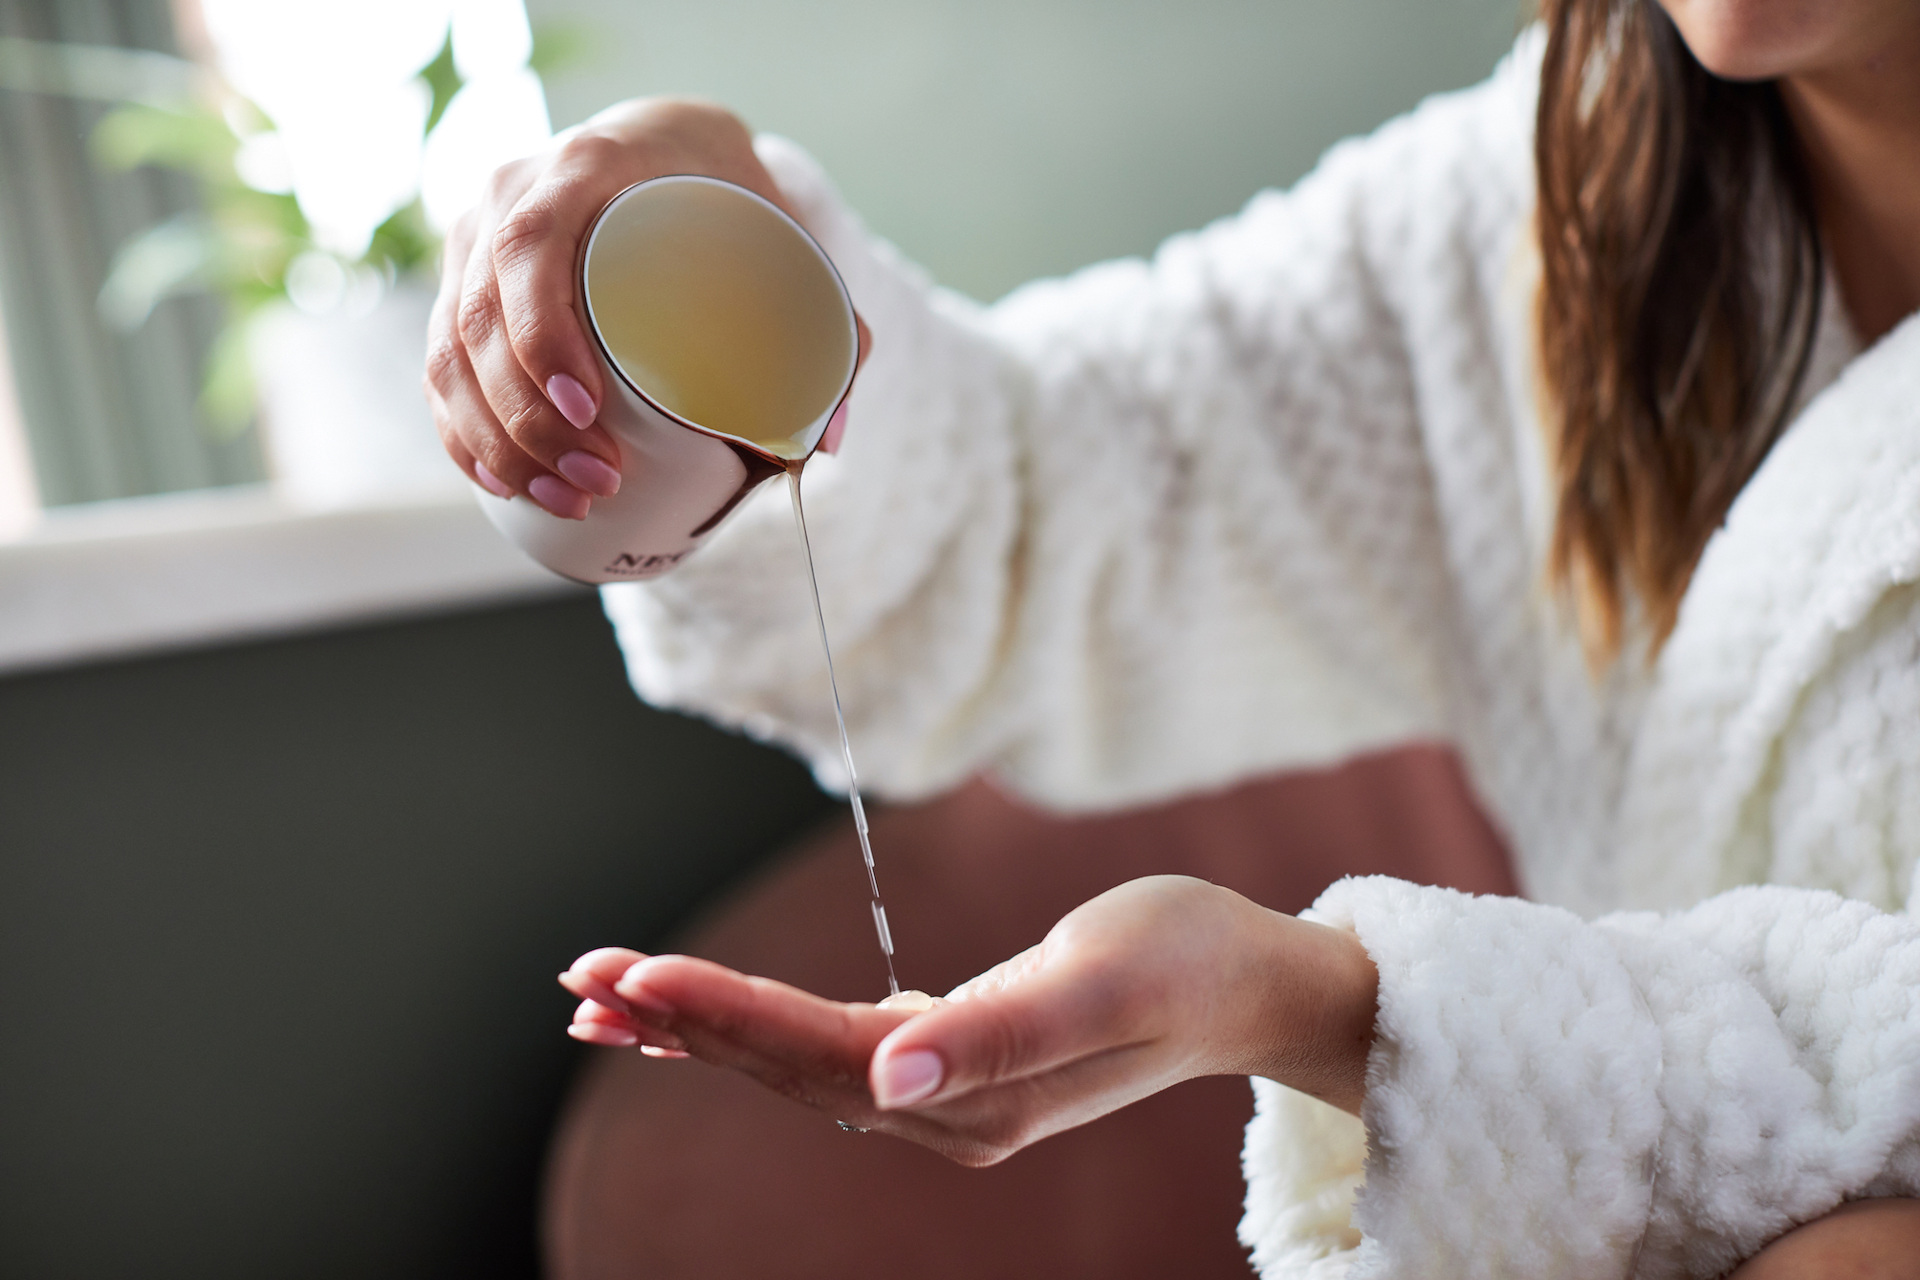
[(115, 579)]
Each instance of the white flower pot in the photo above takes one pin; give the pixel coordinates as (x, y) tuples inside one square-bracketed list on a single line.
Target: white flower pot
[(343, 416)]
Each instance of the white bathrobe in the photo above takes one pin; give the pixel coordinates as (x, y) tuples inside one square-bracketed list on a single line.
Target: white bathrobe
[(1279, 496)]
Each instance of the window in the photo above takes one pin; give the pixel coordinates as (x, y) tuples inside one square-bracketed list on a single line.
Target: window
[(108, 413)]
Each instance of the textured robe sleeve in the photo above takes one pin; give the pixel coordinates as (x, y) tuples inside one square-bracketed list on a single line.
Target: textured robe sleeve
[(1156, 526), (1653, 1096)]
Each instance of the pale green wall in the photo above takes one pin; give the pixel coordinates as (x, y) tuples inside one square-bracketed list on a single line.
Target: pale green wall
[(996, 140)]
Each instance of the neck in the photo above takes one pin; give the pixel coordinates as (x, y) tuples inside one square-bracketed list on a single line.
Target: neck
[(1860, 127)]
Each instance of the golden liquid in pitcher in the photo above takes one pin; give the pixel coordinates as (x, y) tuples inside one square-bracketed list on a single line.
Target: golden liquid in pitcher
[(719, 313)]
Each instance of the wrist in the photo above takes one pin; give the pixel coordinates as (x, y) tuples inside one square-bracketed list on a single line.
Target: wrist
[(1307, 1017)]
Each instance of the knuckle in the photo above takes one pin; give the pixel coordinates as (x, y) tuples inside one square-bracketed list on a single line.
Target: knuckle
[(443, 365), (524, 420), (506, 183), (1005, 1046), (696, 117), (497, 454), (523, 233), (590, 150), (536, 336), (479, 315)]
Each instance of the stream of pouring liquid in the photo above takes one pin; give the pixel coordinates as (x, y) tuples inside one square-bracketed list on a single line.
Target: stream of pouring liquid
[(846, 748)]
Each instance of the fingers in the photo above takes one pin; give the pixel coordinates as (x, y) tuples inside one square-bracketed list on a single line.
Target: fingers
[(533, 254), (446, 364), (592, 976), (1014, 1083), (565, 464), (807, 1048), (596, 1023), (603, 1016), (469, 430), (501, 429)]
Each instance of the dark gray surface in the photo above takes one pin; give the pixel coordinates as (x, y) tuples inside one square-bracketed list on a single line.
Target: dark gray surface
[(279, 925)]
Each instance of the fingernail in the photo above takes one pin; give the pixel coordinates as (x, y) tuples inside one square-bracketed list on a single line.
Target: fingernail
[(495, 485), (906, 1078), (572, 400), (589, 472), (601, 1033), (836, 427), (559, 497), (656, 1051)]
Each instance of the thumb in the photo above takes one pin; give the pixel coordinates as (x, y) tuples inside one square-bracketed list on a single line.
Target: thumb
[(1018, 1020)]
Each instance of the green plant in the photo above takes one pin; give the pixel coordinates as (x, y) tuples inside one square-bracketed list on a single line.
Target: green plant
[(239, 243)]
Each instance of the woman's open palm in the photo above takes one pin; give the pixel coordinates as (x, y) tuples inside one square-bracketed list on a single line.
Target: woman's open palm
[(1151, 983)]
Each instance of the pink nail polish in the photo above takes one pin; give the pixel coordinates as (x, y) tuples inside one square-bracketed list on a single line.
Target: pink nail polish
[(572, 400), (589, 471), (494, 484), (601, 1033), (906, 1078), (559, 497)]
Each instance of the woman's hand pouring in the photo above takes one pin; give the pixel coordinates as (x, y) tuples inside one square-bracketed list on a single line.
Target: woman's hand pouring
[(511, 377)]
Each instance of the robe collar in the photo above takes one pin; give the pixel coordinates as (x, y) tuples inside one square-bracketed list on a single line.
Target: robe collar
[(1827, 526)]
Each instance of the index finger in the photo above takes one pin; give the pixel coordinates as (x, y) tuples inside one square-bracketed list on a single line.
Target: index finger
[(809, 1048)]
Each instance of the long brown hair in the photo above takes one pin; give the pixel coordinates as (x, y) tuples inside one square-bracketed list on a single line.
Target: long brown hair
[(1681, 282)]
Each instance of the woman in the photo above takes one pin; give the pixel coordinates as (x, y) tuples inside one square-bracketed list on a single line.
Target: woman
[(1441, 443)]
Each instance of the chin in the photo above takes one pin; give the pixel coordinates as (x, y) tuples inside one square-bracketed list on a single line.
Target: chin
[(1767, 39)]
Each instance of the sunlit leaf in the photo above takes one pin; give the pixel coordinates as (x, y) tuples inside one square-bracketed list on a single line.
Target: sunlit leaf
[(443, 79), (188, 137), (404, 244)]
